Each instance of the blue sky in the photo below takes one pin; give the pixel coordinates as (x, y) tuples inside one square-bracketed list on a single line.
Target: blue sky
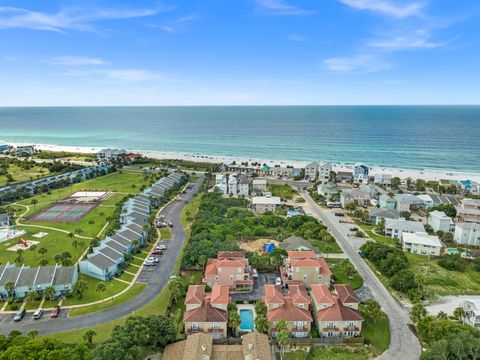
[(239, 52)]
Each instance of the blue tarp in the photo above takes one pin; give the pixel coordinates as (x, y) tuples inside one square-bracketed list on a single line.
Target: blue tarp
[(269, 247)]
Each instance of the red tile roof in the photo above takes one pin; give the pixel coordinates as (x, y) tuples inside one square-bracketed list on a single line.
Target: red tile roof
[(299, 294), (320, 263), (273, 294), (321, 294), (214, 264), (289, 312), (206, 313), (301, 254), (195, 295), (338, 312), (346, 294), (231, 255), (220, 295)]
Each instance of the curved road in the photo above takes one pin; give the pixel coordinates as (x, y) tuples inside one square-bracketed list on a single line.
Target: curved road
[(404, 344), (156, 277)]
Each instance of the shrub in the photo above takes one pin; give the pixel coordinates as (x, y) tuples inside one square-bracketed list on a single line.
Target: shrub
[(403, 281), (14, 307), (452, 263)]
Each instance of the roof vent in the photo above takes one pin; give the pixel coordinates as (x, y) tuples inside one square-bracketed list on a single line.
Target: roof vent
[(204, 347)]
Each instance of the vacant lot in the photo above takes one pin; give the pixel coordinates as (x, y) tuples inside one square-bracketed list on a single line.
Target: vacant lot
[(282, 190)]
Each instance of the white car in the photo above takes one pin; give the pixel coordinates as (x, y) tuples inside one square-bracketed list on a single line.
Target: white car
[(278, 281), (255, 274), (161, 247), (153, 259), (149, 263)]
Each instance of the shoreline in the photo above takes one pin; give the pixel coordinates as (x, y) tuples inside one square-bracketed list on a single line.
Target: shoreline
[(402, 173)]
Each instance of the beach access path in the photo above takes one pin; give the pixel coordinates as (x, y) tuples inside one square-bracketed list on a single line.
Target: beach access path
[(404, 344), (156, 279)]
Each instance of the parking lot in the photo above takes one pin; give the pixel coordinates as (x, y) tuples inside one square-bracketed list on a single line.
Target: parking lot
[(257, 292), (149, 273), (8, 318)]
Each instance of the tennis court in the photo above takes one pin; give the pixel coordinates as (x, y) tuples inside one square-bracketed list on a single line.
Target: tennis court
[(63, 213)]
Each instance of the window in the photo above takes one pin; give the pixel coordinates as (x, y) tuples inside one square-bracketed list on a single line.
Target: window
[(351, 324), (330, 325), (274, 306), (194, 326), (215, 326), (305, 277), (300, 325), (239, 270)]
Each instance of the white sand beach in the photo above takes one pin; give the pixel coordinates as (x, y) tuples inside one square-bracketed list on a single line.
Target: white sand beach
[(426, 174)]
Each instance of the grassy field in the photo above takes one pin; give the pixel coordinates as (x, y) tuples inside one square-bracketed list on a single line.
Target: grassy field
[(109, 303), (368, 229), (356, 282), (337, 353), (55, 242), (91, 294), (376, 334), (282, 190), (165, 233), (20, 174)]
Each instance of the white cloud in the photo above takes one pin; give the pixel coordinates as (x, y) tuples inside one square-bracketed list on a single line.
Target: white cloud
[(72, 18), (296, 37), (75, 60), (387, 7), (177, 25), (280, 7), (419, 39), (364, 63)]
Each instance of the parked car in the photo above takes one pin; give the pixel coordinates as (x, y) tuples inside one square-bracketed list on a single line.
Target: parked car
[(154, 259), (20, 315), (278, 281), (38, 314), (255, 274), (161, 247), (170, 224), (157, 252), (339, 214), (55, 312), (149, 263), (354, 228)]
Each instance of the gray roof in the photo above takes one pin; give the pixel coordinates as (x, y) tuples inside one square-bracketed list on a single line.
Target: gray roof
[(140, 210), (101, 261), (120, 240), (296, 242), (64, 275), (4, 217), (116, 245), (129, 235), (27, 277), (45, 275), (386, 197), (384, 213), (111, 253), (135, 227), (405, 225), (10, 274)]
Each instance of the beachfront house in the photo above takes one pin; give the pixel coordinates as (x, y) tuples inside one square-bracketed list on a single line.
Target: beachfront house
[(467, 234), (24, 150), (336, 314), (304, 267), (471, 308), (407, 202), (394, 228), (387, 202), (357, 196), (469, 211), (421, 243), (382, 179), (470, 186), (344, 176), (311, 171), (377, 214), (207, 312), (26, 279), (439, 221), (259, 184), (110, 154), (4, 220), (229, 268), (262, 204), (427, 201), (292, 306), (243, 186), (324, 170), (233, 184), (360, 174)]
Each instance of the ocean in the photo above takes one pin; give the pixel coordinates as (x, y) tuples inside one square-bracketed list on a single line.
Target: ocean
[(415, 137)]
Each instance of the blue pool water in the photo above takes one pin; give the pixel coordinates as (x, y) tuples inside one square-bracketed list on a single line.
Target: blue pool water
[(453, 251), (246, 320)]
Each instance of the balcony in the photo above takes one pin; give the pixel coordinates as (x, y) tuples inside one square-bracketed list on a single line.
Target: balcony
[(351, 328), (331, 329), (192, 331), (215, 331)]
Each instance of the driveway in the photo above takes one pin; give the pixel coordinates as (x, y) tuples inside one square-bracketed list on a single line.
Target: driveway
[(403, 344), (156, 278), (257, 292)]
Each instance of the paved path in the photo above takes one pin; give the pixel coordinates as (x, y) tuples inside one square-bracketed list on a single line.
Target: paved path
[(156, 277), (403, 344)]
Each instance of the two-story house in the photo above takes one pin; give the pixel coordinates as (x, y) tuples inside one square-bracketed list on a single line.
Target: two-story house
[(394, 228), (229, 268), (439, 221), (471, 309), (207, 312), (336, 314), (291, 306), (311, 171), (243, 186), (324, 170), (303, 267), (360, 174)]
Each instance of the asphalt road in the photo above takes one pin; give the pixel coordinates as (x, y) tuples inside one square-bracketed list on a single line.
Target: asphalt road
[(403, 343), (156, 277)]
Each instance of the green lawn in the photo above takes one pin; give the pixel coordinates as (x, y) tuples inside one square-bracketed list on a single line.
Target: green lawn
[(20, 174), (293, 355), (327, 248), (356, 282), (368, 229), (55, 242), (91, 294), (339, 353), (109, 303), (165, 233), (282, 190), (32, 305), (377, 334)]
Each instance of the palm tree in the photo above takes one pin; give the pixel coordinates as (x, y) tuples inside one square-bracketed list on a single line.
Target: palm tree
[(34, 202), (78, 288), (101, 287), (71, 235), (92, 222), (31, 296), (43, 262), (33, 248), (42, 251), (233, 317), (459, 313), (20, 255), (33, 333), (78, 231), (49, 292), (10, 287), (283, 336), (88, 337), (176, 288), (75, 244)]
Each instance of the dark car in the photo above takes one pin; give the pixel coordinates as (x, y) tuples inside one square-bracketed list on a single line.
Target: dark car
[(354, 229), (20, 315), (339, 214), (55, 312)]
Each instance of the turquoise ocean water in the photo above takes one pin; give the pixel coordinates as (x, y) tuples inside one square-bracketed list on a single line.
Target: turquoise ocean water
[(437, 137)]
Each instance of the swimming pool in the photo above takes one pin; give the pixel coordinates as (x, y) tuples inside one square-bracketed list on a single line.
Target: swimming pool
[(452, 251), (246, 320)]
